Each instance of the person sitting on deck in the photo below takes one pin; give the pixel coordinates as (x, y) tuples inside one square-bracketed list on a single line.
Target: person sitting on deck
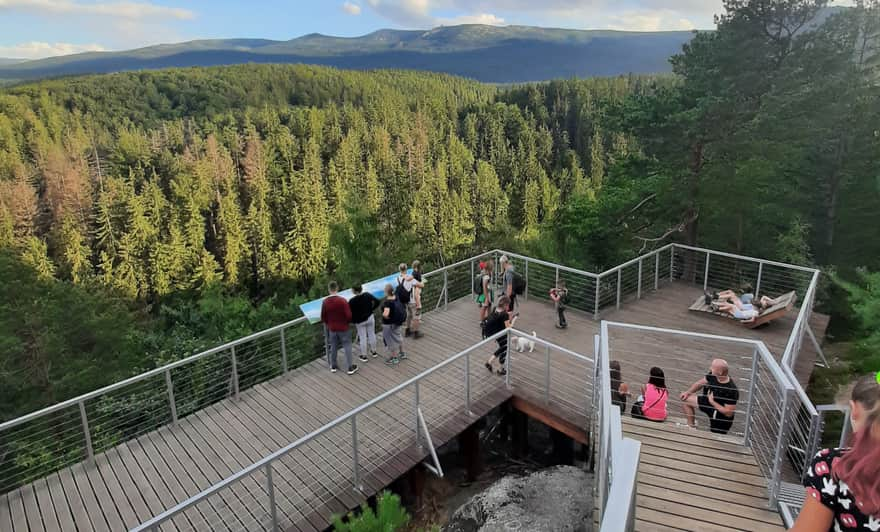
[(843, 484), (619, 389), (655, 396), (718, 400), (746, 315)]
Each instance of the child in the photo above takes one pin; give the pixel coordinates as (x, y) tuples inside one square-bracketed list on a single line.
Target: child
[(559, 295)]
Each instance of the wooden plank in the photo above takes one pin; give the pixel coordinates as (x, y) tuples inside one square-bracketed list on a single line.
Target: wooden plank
[(550, 419), (102, 512), (124, 463), (654, 527), (47, 508), (721, 496), (708, 516), (33, 518), (16, 509), (63, 508), (128, 504), (662, 518), (664, 444), (5, 513), (711, 472), (720, 508), (720, 484), (715, 462), (686, 440)]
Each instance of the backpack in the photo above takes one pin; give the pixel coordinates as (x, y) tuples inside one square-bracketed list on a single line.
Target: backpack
[(478, 283), (398, 313), (519, 284), (401, 293)]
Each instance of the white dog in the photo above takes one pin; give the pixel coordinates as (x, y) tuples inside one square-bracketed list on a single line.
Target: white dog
[(520, 343)]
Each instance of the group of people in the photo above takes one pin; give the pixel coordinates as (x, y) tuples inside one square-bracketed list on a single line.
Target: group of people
[(401, 308), (717, 396), (744, 306)]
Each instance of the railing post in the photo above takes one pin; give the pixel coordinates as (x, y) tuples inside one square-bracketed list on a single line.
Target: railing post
[(270, 488), (812, 442), (467, 382), (354, 452), (706, 273), (90, 451), (507, 362), (672, 263), (619, 280), (750, 407), (639, 289), (526, 292), (758, 284), (657, 270), (557, 277), (547, 375), (473, 276), (446, 290), (416, 415), (596, 308), (234, 372), (169, 385), (284, 367), (845, 429), (780, 445)]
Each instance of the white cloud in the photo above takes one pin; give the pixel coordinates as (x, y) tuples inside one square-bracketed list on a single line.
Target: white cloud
[(351, 9), (480, 18), (122, 10), (38, 50)]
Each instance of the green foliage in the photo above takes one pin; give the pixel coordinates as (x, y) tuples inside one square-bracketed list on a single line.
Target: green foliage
[(864, 297), (389, 516)]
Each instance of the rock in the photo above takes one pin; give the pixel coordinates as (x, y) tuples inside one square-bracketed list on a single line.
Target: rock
[(553, 499)]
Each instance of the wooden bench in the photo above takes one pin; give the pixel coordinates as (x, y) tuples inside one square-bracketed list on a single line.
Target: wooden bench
[(785, 302)]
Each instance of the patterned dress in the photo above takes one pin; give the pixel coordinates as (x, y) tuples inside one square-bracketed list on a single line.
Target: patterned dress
[(835, 495)]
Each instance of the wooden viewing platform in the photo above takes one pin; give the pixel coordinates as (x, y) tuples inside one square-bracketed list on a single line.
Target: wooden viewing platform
[(145, 476)]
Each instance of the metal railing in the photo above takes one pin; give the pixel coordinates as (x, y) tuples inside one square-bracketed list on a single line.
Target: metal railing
[(47, 440), (764, 417), (276, 503), (618, 457)]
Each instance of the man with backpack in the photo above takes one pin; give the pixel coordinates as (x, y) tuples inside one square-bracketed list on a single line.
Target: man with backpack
[(363, 305), (404, 293), (512, 284), (393, 316)]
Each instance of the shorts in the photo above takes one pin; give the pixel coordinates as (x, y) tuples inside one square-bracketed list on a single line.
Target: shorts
[(718, 422)]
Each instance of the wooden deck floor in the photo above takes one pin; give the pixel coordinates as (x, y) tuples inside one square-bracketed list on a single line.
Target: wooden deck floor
[(143, 477)]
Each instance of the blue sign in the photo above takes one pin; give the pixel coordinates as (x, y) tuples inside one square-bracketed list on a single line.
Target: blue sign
[(312, 309)]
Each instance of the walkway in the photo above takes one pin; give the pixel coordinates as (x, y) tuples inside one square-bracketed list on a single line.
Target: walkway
[(143, 477)]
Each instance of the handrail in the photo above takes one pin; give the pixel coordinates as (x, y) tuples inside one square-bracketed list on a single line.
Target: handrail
[(636, 260), (622, 494), (745, 257), (548, 264), (167, 514), (799, 323), (146, 375)]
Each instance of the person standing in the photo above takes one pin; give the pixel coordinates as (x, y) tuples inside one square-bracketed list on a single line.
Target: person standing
[(363, 305), (559, 295), (483, 289), (499, 320), (336, 315), (507, 282), (393, 316), (416, 307), (403, 293)]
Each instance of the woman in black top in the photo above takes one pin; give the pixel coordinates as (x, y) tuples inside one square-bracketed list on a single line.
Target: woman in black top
[(619, 389), (843, 485)]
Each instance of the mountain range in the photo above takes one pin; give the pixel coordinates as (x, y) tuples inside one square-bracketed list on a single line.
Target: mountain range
[(486, 53)]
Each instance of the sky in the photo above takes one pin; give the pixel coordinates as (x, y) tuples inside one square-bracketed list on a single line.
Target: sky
[(33, 29)]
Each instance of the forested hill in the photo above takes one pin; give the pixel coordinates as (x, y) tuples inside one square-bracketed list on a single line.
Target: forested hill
[(147, 215), (485, 53)]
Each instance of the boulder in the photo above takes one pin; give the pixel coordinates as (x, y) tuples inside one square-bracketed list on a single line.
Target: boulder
[(554, 499)]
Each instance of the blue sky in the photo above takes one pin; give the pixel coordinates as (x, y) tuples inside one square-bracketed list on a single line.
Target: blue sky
[(42, 28)]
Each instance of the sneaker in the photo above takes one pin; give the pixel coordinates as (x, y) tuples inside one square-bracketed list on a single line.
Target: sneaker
[(402, 356), (501, 372), (362, 358), (707, 297), (392, 361), (558, 326), (353, 369), (334, 369), (489, 367), (407, 333), (417, 334), (375, 354)]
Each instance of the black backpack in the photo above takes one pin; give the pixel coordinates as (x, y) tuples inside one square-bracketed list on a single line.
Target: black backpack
[(401, 293), (519, 284), (478, 283), (398, 313)]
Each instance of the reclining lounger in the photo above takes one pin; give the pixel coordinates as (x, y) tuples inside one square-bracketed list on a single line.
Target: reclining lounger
[(786, 302)]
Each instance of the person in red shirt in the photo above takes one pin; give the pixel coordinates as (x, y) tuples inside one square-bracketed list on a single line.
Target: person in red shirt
[(336, 315)]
